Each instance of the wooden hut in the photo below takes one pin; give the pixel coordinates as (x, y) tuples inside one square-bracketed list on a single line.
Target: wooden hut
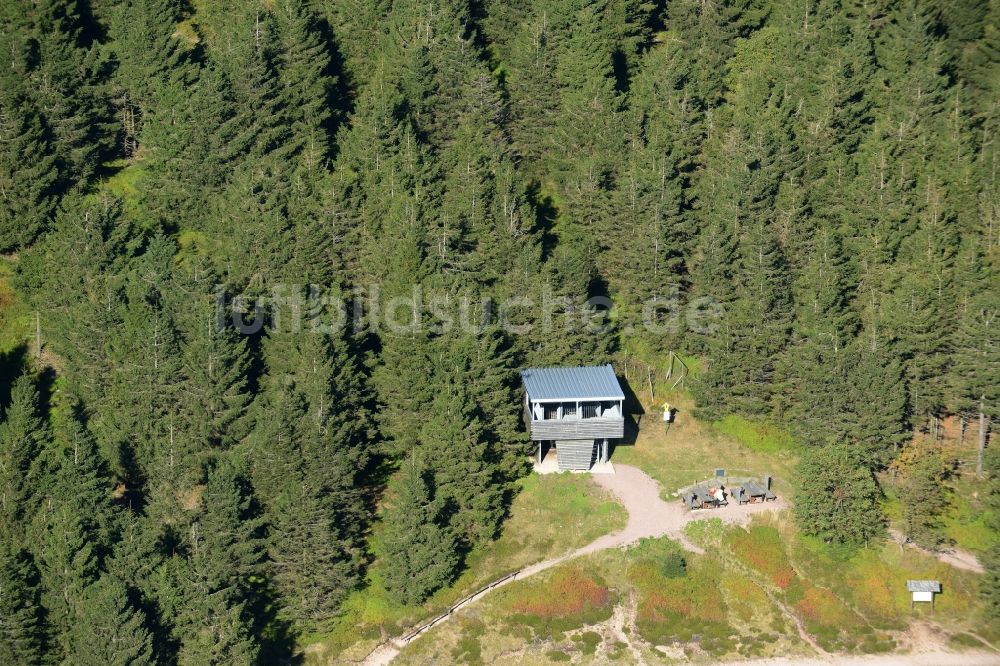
[(577, 411)]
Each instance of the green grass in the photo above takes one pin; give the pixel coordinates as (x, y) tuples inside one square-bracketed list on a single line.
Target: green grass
[(469, 649), (968, 520), (964, 641), (756, 435), (551, 515), (125, 182), (689, 450), (16, 320), (558, 601)]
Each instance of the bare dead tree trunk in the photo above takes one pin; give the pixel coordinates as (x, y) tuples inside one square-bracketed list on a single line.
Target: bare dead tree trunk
[(38, 335), (982, 436)]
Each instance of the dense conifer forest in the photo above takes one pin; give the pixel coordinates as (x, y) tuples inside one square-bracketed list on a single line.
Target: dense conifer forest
[(210, 435)]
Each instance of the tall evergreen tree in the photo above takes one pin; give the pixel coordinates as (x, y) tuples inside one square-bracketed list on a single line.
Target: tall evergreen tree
[(839, 499), (22, 436), (29, 173), (109, 630), (467, 480), (73, 529), (21, 628), (419, 555), (69, 82), (225, 553)]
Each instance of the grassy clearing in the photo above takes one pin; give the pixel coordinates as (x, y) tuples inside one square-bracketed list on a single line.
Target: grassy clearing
[(765, 550), (731, 603), (16, 321), (124, 180), (550, 516), (850, 600), (758, 436), (968, 521), (689, 450), (566, 598), (873, 580), (544, 617)]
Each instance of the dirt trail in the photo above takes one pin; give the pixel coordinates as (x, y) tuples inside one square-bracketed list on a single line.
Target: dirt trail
[(956, 557), (933, 658), (648, 516)]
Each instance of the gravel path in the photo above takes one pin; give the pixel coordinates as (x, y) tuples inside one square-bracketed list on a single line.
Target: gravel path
[(648, 516)]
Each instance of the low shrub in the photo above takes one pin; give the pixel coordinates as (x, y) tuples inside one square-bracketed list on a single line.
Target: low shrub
[(965, 641), (469, 649), (761, 548), (821, 606), (569, 599), (589, 641), (744, 598), (570, 591), (688, 609)]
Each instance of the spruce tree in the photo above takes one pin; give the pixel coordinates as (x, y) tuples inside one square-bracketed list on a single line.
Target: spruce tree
[(468, 483), (29, 173), (307, 87), (109, 629), (225, 553), (838, 499), (306, 459), (925, 498), (22, 435), (21, 627), (69, 82), (149, 58), (214, 361), (73, 531), (418, 554), (977, 361)]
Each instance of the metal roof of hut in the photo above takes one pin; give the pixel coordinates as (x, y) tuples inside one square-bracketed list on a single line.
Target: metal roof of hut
[(580, 383), (923, 585)]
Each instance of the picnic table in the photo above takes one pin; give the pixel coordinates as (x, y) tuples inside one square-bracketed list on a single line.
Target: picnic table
[(700, 497), (753, 492)]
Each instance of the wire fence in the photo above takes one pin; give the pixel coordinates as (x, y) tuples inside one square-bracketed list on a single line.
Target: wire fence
[(407, 638), (456, 606)]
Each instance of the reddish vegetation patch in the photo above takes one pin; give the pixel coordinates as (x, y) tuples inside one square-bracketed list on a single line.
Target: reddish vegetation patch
[(696, 594), (656, 604), (7, 296), (872, 581), (821, 606), (761, 549), (569, 592)]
